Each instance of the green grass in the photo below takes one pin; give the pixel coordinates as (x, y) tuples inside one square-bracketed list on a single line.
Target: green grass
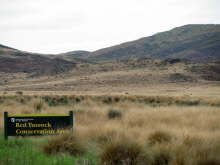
[(25, 151)]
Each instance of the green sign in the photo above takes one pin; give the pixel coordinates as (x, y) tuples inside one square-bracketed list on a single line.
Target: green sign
[(37, 124)]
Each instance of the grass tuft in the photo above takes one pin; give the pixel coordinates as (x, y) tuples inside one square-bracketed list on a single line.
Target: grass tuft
[(70, 144), (19, 92), (209, 162), (38, 105), (114, 114), (122, 152), (161, 156), (159, 137)]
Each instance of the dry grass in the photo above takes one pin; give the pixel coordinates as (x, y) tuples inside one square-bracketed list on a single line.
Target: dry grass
[(115, 77), (205, 90), (159, 137), (165, 133), (123, 151), (65, 144)]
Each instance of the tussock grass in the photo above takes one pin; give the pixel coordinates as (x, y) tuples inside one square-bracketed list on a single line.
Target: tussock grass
[(24, 151), (38, 104), (168, 133), (123, 151), (55, 100), (68, 143), (159, 137), (161, 155), (209, 162), (19, 92), (114, 114)]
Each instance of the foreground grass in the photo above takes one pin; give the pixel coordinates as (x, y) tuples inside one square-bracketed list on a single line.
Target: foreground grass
[(120, 131), (160, 148), (26, 151)]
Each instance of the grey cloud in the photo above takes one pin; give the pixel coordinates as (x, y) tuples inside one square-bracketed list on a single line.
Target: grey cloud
[(94, 24), (49, 23)]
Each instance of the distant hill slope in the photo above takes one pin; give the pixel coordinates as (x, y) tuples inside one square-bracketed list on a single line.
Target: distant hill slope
[(14, 61), (194, 42), (73, 56), (76, 53)]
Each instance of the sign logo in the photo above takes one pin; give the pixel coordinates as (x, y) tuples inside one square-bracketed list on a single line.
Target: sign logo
[(12, 120)]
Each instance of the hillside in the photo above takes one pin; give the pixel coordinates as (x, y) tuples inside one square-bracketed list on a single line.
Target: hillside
[(15, 61), (134, 75), (73, 56), (77, 53), (195, 49), (194, 42)]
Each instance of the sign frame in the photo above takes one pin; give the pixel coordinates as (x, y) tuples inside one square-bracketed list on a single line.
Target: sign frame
[(70, 117)]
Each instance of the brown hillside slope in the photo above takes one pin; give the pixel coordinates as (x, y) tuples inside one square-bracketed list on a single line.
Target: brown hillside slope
[(193, 42)]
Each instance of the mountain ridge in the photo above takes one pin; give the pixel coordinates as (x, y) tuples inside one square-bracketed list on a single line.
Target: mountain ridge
[(187, 40), (199, 43)]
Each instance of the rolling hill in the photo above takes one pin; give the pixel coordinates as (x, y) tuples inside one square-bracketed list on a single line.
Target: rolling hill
[(193, 42), (73, 56), (77, 53), (15, 61)]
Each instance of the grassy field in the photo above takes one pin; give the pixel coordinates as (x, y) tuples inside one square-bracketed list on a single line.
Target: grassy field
[(119, 130), (129, 111), (134, 77), (23, 151)]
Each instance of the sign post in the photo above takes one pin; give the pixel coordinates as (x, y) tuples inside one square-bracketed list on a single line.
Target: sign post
[(37, 124), (6, 125), (71, 118)]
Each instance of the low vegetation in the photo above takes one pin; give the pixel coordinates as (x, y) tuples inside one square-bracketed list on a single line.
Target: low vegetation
[(114, 114), (65, 144), (56, 100), (24, 151), (118, 130)]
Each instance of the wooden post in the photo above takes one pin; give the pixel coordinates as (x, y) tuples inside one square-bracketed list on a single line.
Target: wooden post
[(6, 125), (71, 119)]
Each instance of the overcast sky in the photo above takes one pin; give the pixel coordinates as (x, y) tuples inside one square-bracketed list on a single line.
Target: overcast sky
[(55, 26)]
